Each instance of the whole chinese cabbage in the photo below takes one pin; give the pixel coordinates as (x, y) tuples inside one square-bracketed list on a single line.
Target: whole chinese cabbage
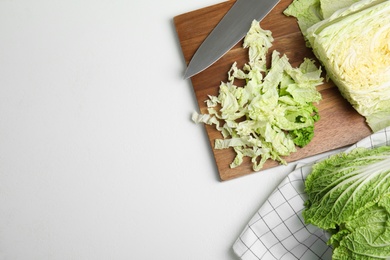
[(273, 112), (349, 196)]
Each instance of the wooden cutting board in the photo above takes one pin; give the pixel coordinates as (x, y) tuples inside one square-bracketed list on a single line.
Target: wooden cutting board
[(339, 125)]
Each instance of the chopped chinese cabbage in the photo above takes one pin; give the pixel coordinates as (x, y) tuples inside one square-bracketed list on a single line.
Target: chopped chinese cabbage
[(273, 112)]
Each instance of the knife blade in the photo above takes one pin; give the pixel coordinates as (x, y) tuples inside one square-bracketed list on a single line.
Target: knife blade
[(228, 32)]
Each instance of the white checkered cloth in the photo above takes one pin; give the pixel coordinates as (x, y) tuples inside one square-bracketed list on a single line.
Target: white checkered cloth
[(277, 230)]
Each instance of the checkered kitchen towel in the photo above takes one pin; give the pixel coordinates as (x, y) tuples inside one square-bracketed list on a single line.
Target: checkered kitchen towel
[(277, 230)]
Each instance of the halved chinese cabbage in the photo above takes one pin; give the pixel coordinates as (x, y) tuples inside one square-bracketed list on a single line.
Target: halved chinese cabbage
[(354, 46)]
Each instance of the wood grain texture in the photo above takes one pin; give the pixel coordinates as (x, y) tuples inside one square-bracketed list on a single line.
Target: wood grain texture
[(339, 125)]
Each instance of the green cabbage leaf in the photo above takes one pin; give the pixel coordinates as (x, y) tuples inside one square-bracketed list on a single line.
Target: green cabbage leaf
[(349, 196), (307, 12)]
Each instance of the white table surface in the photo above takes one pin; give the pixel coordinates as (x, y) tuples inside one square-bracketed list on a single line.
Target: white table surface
[(98, 156)]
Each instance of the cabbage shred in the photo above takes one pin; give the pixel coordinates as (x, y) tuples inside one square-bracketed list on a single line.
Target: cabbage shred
[(273, 112)]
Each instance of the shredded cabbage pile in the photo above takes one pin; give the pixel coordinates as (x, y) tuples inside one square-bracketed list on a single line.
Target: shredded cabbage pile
[(273, 112)]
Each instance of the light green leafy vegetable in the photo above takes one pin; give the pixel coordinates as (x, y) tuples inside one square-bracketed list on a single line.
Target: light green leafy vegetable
[(308, 13), (329, 7), (353, 44), (349, 196), (273, 112)]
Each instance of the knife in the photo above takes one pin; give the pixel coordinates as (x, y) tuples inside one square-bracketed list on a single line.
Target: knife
[(229, 31)]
